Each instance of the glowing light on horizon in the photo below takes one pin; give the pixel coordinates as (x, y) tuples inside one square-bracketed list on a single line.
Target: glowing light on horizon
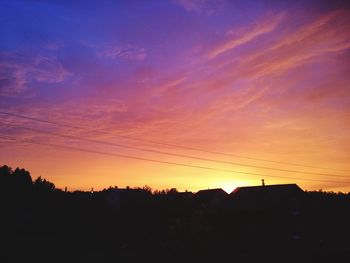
[(268, 82)]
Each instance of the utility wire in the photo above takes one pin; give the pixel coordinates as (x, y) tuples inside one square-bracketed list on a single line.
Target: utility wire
[(167, 153), (164, 162), (105, 131)]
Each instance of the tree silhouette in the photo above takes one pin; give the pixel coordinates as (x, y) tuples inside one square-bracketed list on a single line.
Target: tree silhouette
[(17, 180), (42, 185), (5, 177)]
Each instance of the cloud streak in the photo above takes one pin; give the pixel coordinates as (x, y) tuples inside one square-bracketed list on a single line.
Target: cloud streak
[(126, 52), (242, 36)]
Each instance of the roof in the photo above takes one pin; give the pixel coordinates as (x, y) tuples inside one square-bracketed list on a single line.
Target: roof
[(210, 195), (211, 192), (276, 188), (264, 196)]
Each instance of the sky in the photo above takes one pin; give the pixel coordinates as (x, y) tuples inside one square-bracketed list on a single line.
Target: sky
[(191, 94)]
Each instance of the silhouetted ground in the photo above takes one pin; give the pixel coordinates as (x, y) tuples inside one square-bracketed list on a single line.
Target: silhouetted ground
[(42, 224)]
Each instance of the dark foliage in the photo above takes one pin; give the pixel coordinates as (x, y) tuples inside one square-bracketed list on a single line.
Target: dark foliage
[(42, 223)]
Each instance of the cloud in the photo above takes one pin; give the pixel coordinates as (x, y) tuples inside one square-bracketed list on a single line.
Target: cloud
[(272, 76), (126, 52), (160, 89), (327, 35), (117, 51), (288, 49), (103, 113), (243, 36), (208, 7), (53, 45), (18, 71)]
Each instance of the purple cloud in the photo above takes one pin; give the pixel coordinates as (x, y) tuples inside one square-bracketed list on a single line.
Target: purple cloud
[(202, 6), (18, 71), (127, 52)]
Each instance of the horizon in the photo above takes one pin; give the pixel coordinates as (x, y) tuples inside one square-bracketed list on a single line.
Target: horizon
[(181, 94), (228, 190)]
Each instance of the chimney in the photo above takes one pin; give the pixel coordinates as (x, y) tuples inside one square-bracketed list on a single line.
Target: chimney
[(263, 182)]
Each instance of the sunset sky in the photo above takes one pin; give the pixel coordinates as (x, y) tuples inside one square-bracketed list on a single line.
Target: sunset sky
[(191, 94)]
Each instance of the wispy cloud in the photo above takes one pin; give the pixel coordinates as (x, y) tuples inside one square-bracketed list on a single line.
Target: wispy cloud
[(18, 71), (208, 7), (125, 52), (53, 45), (249, 84), (128, 52), (164, 87), (116, 51), (257, 85), (327, 35), (244, 35)]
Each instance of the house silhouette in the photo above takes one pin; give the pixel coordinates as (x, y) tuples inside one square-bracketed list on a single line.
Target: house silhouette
[(267, 197), (211, 197)]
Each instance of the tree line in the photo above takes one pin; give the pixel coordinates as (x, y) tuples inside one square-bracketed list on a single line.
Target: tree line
[(42, 223)]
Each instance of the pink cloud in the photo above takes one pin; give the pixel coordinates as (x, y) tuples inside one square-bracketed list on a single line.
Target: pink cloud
[(248, 84), (327, 35), (242, 36), (289, 50)]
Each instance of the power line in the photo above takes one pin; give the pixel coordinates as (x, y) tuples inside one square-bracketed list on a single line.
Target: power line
[(171, 154), (105, 131), (165, 162)]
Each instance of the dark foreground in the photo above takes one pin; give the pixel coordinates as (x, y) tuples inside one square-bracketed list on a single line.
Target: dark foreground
[(42, 224)]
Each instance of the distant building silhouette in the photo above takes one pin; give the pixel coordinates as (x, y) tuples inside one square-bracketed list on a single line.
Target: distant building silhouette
[(118, 197), (211, 197)]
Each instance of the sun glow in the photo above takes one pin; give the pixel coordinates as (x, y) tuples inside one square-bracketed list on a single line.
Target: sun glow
[(229, 188)]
